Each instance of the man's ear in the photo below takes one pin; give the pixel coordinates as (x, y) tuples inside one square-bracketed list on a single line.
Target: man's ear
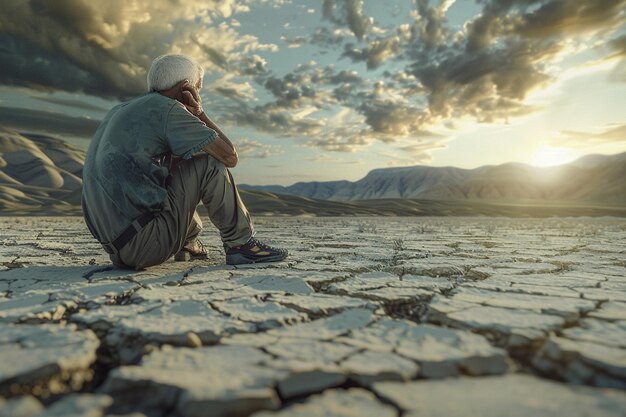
[(175, 92)]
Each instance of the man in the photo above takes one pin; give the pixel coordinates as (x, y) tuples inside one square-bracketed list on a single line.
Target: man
[(139, 205)]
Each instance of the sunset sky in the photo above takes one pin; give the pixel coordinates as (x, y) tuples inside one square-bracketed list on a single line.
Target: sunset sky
[(328, 90)]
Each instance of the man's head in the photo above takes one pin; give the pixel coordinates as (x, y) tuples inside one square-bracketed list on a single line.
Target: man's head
[(168, 70)]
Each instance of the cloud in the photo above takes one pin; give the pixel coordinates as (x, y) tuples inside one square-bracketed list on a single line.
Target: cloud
[(349, 13), (77, 104), (105, 48), (375, 53), (48, 122), (397, 85), (273, 119), (339, 143), (618, 46), (247, 148), (611, 133), (485, 71)]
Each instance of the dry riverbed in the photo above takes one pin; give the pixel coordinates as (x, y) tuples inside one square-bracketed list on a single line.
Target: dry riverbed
[(369, 317)]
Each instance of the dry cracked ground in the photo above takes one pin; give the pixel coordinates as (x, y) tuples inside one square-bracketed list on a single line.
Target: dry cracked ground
[(369, 317)]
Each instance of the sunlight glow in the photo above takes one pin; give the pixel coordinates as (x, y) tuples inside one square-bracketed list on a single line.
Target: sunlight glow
[(549, 156)]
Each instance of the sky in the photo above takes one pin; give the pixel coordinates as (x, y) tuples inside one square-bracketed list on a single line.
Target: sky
[(319, 90)]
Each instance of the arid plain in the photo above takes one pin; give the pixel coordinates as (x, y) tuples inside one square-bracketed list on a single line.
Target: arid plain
[(370, 316)]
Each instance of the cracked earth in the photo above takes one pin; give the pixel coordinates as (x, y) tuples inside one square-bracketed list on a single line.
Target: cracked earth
[(373, 317)]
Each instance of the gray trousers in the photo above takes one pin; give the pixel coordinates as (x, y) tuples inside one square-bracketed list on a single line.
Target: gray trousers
[(199, 179)]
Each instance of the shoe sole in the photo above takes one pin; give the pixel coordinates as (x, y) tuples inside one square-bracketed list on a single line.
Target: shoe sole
[(239, 259), (184, 256)]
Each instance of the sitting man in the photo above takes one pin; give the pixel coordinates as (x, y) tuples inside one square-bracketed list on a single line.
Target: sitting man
[(142, 207)]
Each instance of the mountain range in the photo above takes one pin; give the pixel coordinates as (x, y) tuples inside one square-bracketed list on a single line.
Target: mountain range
[(41, 174), (590, 179)]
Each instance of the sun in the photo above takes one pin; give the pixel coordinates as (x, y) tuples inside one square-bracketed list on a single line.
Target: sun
[(548, 156)]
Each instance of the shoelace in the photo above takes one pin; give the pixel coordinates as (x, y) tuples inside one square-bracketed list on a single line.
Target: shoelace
[(263, 246)]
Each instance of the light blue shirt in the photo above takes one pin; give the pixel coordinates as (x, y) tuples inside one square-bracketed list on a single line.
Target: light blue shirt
[(121, 176)]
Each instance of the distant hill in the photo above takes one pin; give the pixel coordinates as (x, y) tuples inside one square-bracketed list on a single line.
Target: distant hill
[(41, 175), (38, 170), (591, 179)]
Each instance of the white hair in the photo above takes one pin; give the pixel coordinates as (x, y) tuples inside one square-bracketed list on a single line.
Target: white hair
[(168, 70)]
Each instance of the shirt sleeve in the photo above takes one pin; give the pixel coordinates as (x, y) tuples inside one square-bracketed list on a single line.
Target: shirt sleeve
[(185, 133)]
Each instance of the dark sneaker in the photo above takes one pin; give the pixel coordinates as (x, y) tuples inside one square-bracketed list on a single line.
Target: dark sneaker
[(191, 251), (253, 252)]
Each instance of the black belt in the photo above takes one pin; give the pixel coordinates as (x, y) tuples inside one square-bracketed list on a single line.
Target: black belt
[(128, 233)]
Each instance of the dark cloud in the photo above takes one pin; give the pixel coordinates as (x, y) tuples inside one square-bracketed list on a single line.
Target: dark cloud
[(375, 53), (77, 104), (29, 65), (321, 36), (393, 119), (105, 48), (619, 45), (273, 119), (485, 71), (47, 122), (431, 27), (348, 13), (565, 17)]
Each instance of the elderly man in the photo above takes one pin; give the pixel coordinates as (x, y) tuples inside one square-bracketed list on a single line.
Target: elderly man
[(142, 207)]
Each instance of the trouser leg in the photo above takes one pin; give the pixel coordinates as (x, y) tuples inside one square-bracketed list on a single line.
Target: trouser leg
[(201, 178), (194, 228)]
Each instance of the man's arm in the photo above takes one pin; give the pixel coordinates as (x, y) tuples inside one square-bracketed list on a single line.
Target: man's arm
[(221, 148)]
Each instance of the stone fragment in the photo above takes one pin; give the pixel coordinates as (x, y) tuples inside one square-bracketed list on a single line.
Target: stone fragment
[(526, 268), (27, 306), (568, 308), (599, 331), (354, 402), (306, 378), (78, 405), (322, 304), (610, 310), (423, 282), (368, 367), (440, 352), (228, 380), (171, 324), (47, 359), (430, 268), (263, 314), (602, 294), (444, 352), (583, 362), (23, 406), (383, 335), (105, 316), (271, 284), (512, 328), (510, 395), (327, 328), (320, 279), (313, 352), (310, 364), (364, 281)]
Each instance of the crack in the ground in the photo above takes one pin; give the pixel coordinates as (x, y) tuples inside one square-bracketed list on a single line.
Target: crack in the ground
[(87, 275)]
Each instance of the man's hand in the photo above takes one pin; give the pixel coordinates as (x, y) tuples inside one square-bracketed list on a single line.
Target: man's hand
[(191, 99), (222, 148)]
